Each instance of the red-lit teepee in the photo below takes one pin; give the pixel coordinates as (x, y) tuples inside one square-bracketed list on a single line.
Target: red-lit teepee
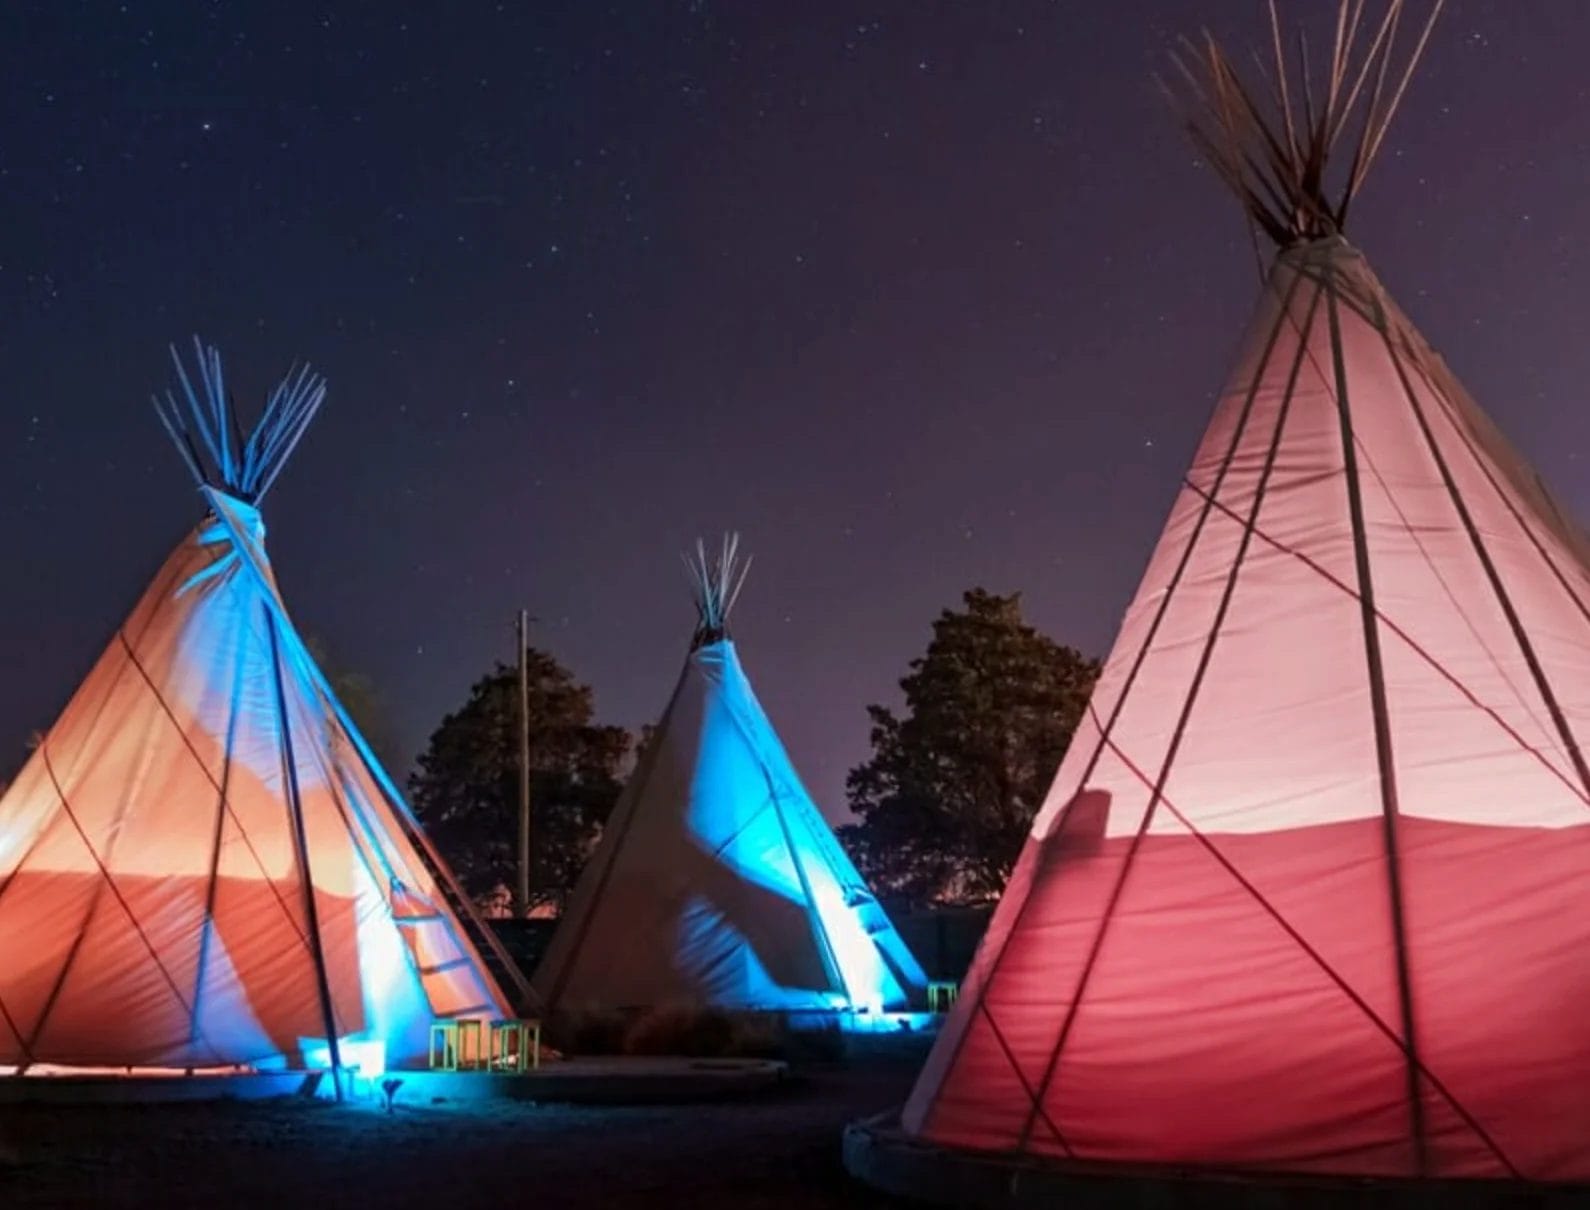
[(202, 865), (1311, 890)]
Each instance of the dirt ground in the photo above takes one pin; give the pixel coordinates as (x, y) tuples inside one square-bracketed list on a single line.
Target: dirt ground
[(777, 1148)]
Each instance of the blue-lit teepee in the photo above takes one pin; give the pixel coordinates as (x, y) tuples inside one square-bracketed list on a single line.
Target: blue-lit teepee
[(717, 881), (202, 866)]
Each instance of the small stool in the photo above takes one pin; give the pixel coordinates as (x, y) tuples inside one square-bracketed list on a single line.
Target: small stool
[(515, 1045), (941, 996), (471, 1044), (444, 1046)]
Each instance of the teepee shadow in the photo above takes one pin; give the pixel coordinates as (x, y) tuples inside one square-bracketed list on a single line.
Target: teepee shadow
[(777, 930), (1080, 832)]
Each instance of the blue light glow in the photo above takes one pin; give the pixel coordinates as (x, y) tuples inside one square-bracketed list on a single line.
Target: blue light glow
[(395, 1007), (364, 1056), (750, 815), (224, 665)]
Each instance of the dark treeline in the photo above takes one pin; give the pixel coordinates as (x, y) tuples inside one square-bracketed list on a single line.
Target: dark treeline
[(942, 805)]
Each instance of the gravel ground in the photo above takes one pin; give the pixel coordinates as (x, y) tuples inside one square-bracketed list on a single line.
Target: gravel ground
[(778, 1148)]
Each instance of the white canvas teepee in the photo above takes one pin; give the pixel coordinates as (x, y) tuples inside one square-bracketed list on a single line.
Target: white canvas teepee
[(1311, 891), (202, 864), (717, 881)]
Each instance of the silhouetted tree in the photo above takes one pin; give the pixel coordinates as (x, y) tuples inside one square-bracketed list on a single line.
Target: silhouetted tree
[(363, 702), (16, 761), (950, 792), (466, 788)]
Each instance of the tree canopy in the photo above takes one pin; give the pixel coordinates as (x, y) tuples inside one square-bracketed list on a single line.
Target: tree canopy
[(466, 787), (949, 794), (364, 704)]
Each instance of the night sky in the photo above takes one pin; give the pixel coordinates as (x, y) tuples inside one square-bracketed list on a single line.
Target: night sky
[(915, 295)]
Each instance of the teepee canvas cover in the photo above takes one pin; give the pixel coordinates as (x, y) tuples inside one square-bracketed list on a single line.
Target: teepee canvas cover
[(717, 880), (1311, 890), (202, 865)]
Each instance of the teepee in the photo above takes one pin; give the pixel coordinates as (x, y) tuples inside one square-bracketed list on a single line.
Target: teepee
[(202, 866), (717, 881), (1311, 890)]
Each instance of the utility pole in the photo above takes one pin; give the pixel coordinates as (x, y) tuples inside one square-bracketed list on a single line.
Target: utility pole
[(522, 892)]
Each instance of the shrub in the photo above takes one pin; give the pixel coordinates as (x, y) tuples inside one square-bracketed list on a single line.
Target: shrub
[(681, 1030), (586, 1031)]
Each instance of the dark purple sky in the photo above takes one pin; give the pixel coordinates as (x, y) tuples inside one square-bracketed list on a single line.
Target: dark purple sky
[(915, 295)]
